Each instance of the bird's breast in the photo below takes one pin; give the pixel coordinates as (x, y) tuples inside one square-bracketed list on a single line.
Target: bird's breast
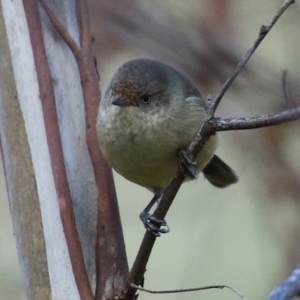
[(143, 149)]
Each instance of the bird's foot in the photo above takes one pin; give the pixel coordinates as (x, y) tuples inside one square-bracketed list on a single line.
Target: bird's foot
[(154, 225), (188, 166)]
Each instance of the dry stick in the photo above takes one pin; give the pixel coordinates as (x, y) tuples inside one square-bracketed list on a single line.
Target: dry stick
[(209, 287), (110, 253), (139, 266), (264, 30), (55, 149)]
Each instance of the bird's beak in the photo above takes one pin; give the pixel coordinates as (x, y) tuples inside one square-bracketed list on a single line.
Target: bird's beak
[(122, 101)]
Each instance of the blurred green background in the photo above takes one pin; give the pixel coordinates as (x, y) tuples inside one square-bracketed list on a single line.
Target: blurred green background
[(248, 235)]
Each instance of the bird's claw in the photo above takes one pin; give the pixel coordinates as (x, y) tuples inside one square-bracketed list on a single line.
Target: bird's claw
[(154, 225), (188, 166)]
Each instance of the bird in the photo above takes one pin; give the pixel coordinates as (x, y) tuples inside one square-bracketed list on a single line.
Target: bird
[(149, 114)]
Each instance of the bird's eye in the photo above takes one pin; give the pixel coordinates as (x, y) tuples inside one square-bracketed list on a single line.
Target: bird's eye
[(111, 92), (145, 98)]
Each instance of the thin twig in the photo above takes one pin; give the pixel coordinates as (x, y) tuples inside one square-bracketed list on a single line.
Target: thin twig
[(209, 287), (55, 149), (264, 30)]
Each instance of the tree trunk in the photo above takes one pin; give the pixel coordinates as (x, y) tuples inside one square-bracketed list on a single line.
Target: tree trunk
[(41, 242)]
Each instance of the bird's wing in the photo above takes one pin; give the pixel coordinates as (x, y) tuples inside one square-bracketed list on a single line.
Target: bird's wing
[(195, 101)]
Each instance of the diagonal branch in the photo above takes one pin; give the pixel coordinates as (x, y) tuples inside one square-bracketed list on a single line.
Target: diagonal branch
[(60, 29)]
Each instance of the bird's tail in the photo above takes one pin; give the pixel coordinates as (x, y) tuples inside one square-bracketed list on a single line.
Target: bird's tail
[(218, 173)]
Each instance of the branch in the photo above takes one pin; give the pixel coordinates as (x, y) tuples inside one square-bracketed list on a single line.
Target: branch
[(55, 149), (257, 122), (60, 29), (289, 288), (264, 30), (213, 125), (209, 127)]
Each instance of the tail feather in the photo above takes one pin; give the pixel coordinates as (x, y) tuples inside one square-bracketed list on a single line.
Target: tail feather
[(219, 173)]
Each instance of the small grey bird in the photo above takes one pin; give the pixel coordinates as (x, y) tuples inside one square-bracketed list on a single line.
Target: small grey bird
[(148, 114)]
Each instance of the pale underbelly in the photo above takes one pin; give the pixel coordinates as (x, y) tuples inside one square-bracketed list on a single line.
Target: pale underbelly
[(154, 171)]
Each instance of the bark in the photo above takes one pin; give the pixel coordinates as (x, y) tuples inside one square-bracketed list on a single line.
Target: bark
[(41, 243)]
